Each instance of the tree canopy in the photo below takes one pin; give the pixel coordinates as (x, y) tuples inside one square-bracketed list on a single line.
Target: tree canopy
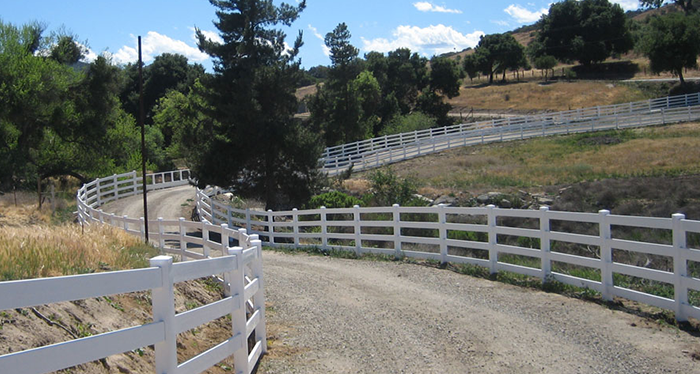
[(588, 31), (672, 43), (495, 53), (257, 148)]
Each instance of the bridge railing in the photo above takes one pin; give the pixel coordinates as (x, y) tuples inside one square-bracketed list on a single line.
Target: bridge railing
[(238, 266), (392, 148), (549, 243)]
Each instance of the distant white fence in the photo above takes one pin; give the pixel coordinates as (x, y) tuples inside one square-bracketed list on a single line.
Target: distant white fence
[(240, 268), (388, 149), (441, 234)]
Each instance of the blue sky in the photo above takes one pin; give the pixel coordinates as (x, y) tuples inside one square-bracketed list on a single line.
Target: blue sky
[(426, 27)]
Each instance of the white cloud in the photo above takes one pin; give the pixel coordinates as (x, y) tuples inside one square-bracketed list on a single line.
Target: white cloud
[(523, 15), (500, 23), (155, 44), (430, 40), (627, 4), (90, 55), (211, 35), (324, 47), (425, 6)]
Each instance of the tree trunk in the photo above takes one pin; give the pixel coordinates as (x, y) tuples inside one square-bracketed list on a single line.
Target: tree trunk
[(680, 75), (38, 189)]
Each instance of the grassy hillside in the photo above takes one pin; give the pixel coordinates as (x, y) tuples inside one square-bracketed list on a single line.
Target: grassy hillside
[(657, 161)]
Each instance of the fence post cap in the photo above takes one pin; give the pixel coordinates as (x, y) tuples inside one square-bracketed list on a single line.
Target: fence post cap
[(678, 216), (356, 206), (604, 212), (161, 260), (160, 218), (396, 205), (544, 208), (323, 207), (491, 206), (224, 225), (295, 209), (181, 219)]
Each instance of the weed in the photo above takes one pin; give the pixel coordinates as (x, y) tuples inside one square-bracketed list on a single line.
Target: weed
[(189, 304)]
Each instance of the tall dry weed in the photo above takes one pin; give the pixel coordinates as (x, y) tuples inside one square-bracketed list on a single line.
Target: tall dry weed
[(43, 251)]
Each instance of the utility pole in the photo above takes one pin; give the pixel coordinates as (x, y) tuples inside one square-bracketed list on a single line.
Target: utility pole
[(143, 145)]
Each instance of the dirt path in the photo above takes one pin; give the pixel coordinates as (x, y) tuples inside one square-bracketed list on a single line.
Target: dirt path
[(331, 315), (166, 203)]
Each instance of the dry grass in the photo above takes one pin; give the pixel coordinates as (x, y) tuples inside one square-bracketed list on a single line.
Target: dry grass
[(44, 250), (532, 96), (660, 151)]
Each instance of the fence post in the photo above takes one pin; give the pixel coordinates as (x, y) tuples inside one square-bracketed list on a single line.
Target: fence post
[(238, 314), (259, 298), (161, 232), (135, 179), (163, 300), (442, 219), (663, 116), (205, 239), (680, 267), (398, 253), (116, 187), (545, 244), (606, 276), (126, 224), (357, 229), (183, 243), (493, 252), (324, 229), (270, 227), (224, 239), (98, 192), (295, 226), (247, 220)]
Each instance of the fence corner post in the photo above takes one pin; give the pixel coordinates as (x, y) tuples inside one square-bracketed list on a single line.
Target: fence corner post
[(163, 299), (606, 276), (680, 267), (493, 252), (545, 244)]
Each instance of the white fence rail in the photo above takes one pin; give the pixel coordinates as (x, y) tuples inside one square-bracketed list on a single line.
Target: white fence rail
[(239, 266), (479, 236), (379, 151)]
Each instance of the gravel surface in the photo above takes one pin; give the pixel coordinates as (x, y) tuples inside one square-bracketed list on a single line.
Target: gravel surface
[(330, 315), (166, 203)]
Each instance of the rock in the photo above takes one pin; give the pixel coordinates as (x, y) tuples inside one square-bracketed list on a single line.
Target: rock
[(483, 199), (562, 190), (505, 204), (228, 195), (545, 200), (447, 200), (426, 200)]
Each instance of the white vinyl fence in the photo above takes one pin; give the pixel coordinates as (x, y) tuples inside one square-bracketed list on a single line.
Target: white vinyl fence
[(388, 149), (487, 237), (239, 267)]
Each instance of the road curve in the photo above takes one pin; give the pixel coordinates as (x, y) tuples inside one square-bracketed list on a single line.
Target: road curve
[(330, 315), (167, 203)]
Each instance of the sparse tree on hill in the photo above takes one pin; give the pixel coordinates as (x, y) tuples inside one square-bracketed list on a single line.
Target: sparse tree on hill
[(672, 43), (545, 63), (496, 53), (588, 31)]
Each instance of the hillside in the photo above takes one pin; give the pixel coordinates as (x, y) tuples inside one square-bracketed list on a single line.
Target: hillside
[(644, 171)]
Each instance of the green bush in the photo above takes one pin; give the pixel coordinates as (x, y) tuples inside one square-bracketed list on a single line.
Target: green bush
[(333, 199), (387, 189), (410, 122)]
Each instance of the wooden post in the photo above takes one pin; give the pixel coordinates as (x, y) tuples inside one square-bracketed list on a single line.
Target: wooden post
[(398, 253), (493, 252), (238, 315), (545, 244), (442, 232)]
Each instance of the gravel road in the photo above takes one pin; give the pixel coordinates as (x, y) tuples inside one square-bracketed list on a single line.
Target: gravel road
[(330, 315), (167, 203)]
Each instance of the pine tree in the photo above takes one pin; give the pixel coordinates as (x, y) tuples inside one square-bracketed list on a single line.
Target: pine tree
[(256, 148)]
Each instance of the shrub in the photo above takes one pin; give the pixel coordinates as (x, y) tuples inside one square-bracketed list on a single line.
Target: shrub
[(411, 122), (333, 199), (388, 189)]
